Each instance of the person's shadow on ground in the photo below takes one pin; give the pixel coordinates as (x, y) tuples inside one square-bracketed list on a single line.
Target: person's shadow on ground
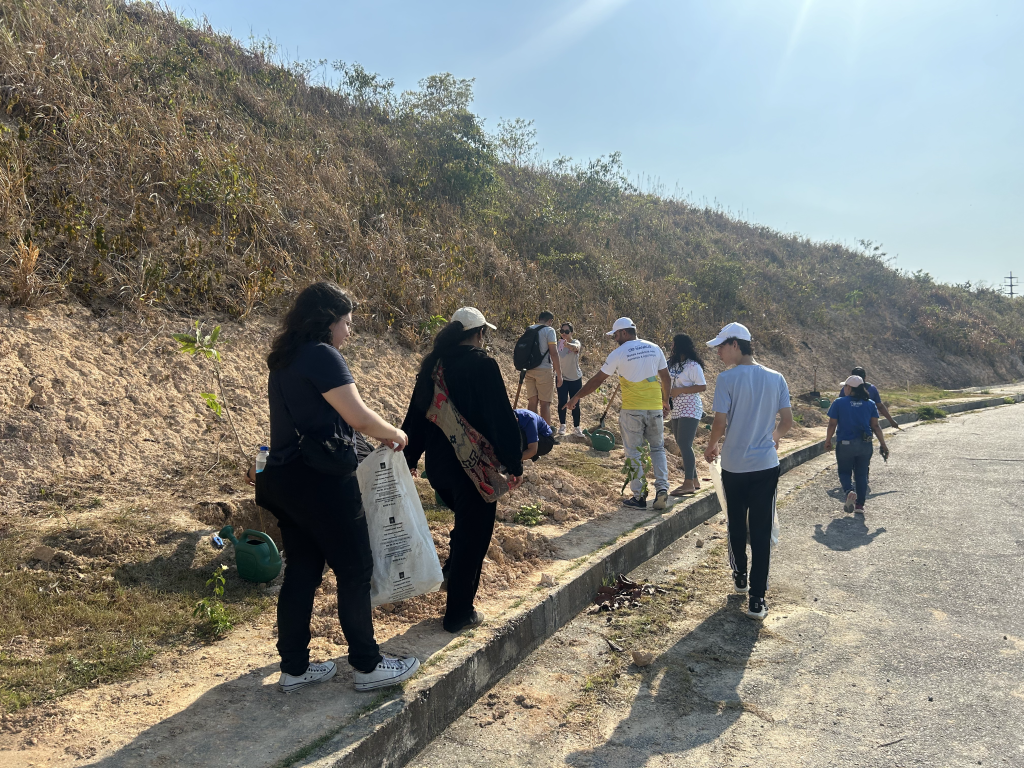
[(697, 681), (846, 533), (840, 495)]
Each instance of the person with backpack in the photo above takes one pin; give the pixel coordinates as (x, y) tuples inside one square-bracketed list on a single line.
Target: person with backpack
[(852, 418), (643, 376), (686, 368), (460, 417), (874, 396), (572, 378), (748, 397), (536, 358), (309, 485)]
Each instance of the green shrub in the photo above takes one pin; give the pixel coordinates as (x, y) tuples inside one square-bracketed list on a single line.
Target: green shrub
[(929, 413)]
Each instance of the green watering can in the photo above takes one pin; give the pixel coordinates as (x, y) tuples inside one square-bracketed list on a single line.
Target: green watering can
[(256, 555), (601, 439)]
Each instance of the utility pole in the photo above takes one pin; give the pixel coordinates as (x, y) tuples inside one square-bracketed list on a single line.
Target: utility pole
[(1011, 284)]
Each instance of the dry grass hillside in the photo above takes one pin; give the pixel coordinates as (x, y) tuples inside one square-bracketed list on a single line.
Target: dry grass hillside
[(150, 162)]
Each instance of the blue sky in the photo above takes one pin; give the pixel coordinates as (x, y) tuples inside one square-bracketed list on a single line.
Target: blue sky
[(897, 121)]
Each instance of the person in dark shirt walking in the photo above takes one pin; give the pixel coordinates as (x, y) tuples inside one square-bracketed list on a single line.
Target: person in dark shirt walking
[(474, 387), (852, 419), (313, 399)]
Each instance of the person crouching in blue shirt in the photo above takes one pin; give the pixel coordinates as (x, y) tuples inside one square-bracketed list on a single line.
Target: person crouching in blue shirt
[(852, 419), (538, 439)]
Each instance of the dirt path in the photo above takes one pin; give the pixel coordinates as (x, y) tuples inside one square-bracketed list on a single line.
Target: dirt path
[(892, 642)]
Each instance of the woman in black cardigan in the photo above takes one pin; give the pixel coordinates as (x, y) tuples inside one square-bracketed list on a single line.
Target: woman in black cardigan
[(477, 389)]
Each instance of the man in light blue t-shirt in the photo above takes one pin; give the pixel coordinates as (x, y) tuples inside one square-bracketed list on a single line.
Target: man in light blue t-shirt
[(748, 397)]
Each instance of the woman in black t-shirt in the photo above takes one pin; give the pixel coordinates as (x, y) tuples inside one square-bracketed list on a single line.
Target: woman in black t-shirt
[(312, 393), (477, 390)]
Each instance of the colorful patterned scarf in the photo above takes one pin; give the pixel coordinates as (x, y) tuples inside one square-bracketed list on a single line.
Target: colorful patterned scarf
[(474, 451)]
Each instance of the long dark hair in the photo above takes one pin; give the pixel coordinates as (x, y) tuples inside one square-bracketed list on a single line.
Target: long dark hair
[(447, 338), (316, 309), (860, 393), (683, 350)]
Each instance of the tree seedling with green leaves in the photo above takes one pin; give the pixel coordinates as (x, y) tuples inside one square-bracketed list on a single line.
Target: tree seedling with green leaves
[(205, 344), (211, 609), (638, 469)]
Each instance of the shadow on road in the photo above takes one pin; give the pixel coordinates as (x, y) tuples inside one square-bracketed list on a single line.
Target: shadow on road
[(846, 533), (840, 495), (693, 688)]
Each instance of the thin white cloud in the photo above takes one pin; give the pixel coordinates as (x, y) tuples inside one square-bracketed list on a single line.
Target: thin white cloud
[(565, 32)]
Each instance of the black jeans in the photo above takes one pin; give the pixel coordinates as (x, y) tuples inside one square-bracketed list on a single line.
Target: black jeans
[(322, 520), (567, 390), (750, 498), (470, 538)]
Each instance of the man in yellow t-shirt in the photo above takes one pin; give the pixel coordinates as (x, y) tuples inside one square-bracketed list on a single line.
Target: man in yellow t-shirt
[(643, 376)]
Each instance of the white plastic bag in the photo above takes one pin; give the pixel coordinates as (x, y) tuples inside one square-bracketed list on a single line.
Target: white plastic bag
[(405, 562), (716, 478)]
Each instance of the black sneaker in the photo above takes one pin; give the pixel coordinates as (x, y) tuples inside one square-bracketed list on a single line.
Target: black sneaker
[(633, 501), (740, 580), (758, 608)]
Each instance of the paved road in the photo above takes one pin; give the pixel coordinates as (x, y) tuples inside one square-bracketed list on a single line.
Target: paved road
[(893, 640)]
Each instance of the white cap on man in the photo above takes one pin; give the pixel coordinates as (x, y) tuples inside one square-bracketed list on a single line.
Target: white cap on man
[(731, 331), (622, 324), (853, 382), (471, 318)]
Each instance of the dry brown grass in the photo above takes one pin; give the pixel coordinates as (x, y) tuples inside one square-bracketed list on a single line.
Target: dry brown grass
[(157, 162)]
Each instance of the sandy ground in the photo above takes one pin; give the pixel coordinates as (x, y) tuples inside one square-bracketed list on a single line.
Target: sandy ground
[(891, 641)]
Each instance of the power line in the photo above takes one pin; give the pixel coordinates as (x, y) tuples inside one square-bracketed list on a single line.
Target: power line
[(1010, 285)]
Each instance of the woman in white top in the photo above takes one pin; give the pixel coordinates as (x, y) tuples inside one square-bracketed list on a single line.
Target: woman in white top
[(686, 369), (572, 377)]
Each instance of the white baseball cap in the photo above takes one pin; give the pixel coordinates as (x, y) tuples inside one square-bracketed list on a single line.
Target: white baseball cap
[(471, 317), (731, 331), (853, 381), (620, 325)]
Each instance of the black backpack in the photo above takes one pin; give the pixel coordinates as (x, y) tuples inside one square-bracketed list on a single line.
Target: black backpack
[(527, 353)]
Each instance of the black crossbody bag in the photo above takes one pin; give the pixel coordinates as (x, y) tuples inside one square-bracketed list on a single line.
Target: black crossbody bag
[(335, 456)]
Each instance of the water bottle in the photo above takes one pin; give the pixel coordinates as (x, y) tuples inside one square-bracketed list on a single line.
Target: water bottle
[(261, 458)]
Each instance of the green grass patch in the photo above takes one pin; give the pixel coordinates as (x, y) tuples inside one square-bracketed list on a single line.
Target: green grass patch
[(101, 622), (923, 393), (436, 514), (929, 413)]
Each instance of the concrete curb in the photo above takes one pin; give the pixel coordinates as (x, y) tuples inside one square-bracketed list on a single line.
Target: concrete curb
[(395, 732)]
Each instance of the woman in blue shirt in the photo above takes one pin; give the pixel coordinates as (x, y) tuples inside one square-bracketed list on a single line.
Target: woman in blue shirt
[(852, 419)]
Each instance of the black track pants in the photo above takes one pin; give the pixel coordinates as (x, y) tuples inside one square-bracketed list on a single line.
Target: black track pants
[(750, 497), (322, 521), (470, 538)]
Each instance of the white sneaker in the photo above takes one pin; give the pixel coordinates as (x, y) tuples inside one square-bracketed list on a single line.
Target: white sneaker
[(851, 500), (315, 673), (390, 671), (561, 431), (578, 432)]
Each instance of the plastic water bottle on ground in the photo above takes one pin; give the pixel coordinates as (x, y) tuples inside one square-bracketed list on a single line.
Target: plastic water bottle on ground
[(261, 458)]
